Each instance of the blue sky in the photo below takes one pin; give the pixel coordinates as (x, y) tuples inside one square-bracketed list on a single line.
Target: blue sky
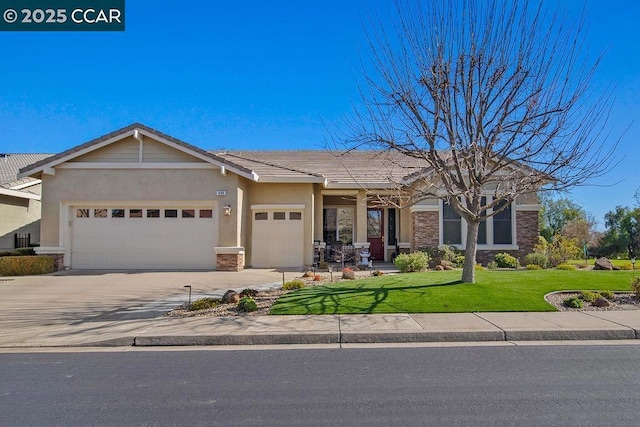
[(251, 75)]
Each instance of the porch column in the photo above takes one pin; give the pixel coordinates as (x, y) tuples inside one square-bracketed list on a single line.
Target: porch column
[(318, 217), (361, 217)]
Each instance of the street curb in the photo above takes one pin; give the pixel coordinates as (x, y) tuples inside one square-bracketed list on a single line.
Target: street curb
[(365, 338), (603, 334), (405, 337), (238, 339)]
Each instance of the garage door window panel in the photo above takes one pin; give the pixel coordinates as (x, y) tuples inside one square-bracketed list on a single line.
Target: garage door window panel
[(279, 216), (171, 213), (153, 213), (206, 213), (261, 216), (82, 213), (135, 213), (117, 213), (99, 213), (188, 213)]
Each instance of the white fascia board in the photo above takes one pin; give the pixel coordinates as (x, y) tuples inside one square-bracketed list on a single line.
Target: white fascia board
[(26, 185), (292, 180), (274, 206), (19, 194), (350, 192), (134, 165), (364, 186)]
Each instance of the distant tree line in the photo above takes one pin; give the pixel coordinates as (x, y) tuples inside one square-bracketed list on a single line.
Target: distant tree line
[(564, 219)]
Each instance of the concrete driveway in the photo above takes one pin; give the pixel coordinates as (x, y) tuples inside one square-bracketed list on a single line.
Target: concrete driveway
[(28, 305)]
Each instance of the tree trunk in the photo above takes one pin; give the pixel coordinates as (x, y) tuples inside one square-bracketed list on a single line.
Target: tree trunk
[(469, 268)]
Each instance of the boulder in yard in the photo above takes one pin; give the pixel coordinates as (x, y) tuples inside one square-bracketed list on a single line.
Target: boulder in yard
[(601, 302), (230, 297), (603, 264)]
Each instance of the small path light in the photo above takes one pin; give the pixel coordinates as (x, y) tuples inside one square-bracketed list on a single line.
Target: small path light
[(633, 263), (331, 272), (189, 304), (370, 267)]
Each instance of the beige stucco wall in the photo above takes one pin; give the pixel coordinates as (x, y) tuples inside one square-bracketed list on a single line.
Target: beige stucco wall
[(275, 193), (21, 216), (128, 150), (152, 185)]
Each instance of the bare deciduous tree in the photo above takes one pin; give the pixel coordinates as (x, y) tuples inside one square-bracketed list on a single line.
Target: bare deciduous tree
[(491, 96)]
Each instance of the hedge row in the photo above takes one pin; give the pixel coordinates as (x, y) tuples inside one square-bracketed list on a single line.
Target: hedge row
[(26, 265), (19, 252)]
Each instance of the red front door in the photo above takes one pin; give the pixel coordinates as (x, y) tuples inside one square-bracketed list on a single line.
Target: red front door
[(375, 233)]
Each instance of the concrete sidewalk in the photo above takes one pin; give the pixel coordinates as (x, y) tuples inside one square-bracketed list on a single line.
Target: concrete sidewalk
[(334, 329)]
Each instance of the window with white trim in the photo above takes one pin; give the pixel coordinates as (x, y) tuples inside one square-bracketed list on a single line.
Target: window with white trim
[(495, 230)]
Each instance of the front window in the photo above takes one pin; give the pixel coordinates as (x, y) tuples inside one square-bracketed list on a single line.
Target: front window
[(338, 225), (451, 225), (502, 234), (482, 230)]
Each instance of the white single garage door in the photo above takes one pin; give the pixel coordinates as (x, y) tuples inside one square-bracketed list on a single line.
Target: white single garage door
[(278, 238), (158, 238)]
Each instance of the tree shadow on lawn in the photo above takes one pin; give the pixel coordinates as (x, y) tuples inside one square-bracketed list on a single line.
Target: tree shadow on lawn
[(332, 299)]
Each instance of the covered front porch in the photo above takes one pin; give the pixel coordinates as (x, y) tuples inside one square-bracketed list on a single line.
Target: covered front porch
[(354, 228)]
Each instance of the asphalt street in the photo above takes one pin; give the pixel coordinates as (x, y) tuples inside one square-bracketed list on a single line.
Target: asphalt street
[(532, 385)]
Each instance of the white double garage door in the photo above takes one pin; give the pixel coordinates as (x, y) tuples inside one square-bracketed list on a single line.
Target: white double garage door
[(149, 237)]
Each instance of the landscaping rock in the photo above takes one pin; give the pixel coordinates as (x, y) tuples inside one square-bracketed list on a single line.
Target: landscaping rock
[(230, 297), (603, 264), (439, 268), (601, 302)]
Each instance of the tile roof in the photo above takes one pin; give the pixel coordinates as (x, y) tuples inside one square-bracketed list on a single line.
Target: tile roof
[(361, 167), (10, 165)]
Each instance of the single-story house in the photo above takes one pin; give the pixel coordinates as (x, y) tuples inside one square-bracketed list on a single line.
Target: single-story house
[(140, 199), (19, 202)]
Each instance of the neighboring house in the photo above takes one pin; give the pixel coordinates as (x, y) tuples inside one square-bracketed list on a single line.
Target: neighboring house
[(19, 202), (137, 198)]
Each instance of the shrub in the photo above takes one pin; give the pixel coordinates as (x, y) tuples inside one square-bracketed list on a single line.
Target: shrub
[(248, 292), (607, 294), (417, 261), (377, 273), (589, 296), (26, 265), (480, 267), (323, 265), (626, 266), (293, 284), (25, 251), (533, 267), (317, 278), (10, 253), (568, 267), (443, 253), (247, 304), (504, 260), (635, 286), (536, 259), (204, 303), (573, 302), (563, 249), (492, 265), (348, 273), (458, 262), (308, 273)]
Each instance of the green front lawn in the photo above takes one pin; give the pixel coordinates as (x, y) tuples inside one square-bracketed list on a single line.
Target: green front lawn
[(442, 292)]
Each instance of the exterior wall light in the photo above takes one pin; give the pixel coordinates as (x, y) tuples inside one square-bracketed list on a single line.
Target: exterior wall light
[(227, 210)]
